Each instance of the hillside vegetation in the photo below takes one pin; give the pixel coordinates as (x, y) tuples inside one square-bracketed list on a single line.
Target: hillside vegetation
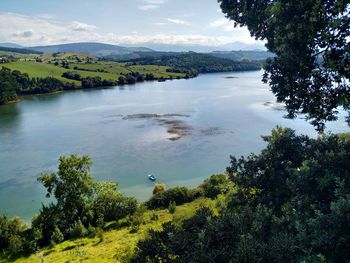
[(117, 242), (290, 203)]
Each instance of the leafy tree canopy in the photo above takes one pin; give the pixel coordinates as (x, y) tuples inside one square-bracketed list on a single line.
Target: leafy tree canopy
[(311, 70)]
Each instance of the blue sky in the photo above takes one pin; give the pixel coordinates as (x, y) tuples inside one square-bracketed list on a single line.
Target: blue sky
[(37, 22)]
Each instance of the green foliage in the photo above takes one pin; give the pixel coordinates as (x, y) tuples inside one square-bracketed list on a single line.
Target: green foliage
[(193, 63), (57, 236), (172, 207), (12, 235), (110, 204), (179, 195), (310, 72), (80, 203), (291, 204), (72, 188), (215, 185), (159, 188), (78, 230), (8, 86), (48, 219)]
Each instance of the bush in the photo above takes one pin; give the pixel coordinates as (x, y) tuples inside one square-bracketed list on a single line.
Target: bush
[(57, 236), (110, 204), (12, 232), (179, 195), (154, 216), (91, 231), (78, 230), (215, 185), (172, 207), (159, 188)]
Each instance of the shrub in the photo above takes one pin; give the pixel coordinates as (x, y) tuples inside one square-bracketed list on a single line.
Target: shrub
[(159, 188), (215, 185), (57, 236), (154, 217), (110, 204), (91, 231), (78, 230), (179, 195), (172, 207), (11, 235)]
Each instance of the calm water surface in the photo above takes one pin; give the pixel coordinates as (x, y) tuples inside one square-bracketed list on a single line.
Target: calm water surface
[(226, 115)]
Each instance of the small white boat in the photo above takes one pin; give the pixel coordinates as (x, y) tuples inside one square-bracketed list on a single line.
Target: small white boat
[(151, 177)]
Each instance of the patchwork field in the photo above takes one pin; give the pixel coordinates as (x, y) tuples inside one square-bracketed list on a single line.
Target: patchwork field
[(54, 65)]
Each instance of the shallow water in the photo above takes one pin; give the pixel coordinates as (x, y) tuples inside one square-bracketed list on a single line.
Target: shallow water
[(222, 116)]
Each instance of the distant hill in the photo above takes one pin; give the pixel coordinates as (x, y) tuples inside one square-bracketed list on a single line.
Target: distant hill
[(97, 49), (240, 55), (11, 45), (201, 48), (19, 50)]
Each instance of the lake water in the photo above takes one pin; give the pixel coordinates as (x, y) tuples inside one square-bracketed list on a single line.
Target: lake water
[(224, 114)]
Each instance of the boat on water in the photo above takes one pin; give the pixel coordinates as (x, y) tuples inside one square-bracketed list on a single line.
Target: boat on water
[(151, 177)]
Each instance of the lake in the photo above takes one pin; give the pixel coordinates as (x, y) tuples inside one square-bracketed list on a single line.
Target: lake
[(182, 131)]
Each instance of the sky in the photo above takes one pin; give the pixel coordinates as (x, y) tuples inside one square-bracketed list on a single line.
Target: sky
[(45, 22)]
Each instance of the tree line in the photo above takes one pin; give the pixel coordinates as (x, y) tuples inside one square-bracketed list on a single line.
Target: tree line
[(192, 63), (14, 83)]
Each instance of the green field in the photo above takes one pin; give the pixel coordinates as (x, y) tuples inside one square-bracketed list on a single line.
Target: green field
[(116, 244), (85, 66), (38, 69)]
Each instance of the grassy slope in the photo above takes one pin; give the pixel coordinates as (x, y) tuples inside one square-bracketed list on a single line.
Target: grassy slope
[(117, 244), (38, 70), (112, 70)]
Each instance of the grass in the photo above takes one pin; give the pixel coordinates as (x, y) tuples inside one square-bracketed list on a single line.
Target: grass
[(116, 245), (111, 70), (38, 69)]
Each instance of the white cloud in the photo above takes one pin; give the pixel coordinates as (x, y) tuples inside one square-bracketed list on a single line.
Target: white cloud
[(177, 21), (168, 39), (31, 30), (224, 24), (78, 26), (156, 2), (160, 24), (35, 30), (147, 7), (151, 4)]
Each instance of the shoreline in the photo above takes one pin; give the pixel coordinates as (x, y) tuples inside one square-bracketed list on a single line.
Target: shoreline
[(79, 88)]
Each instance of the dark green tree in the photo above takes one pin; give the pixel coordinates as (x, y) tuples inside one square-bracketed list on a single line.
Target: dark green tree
[(73, 187), (311, 70), (110, 204), (8, 86)]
